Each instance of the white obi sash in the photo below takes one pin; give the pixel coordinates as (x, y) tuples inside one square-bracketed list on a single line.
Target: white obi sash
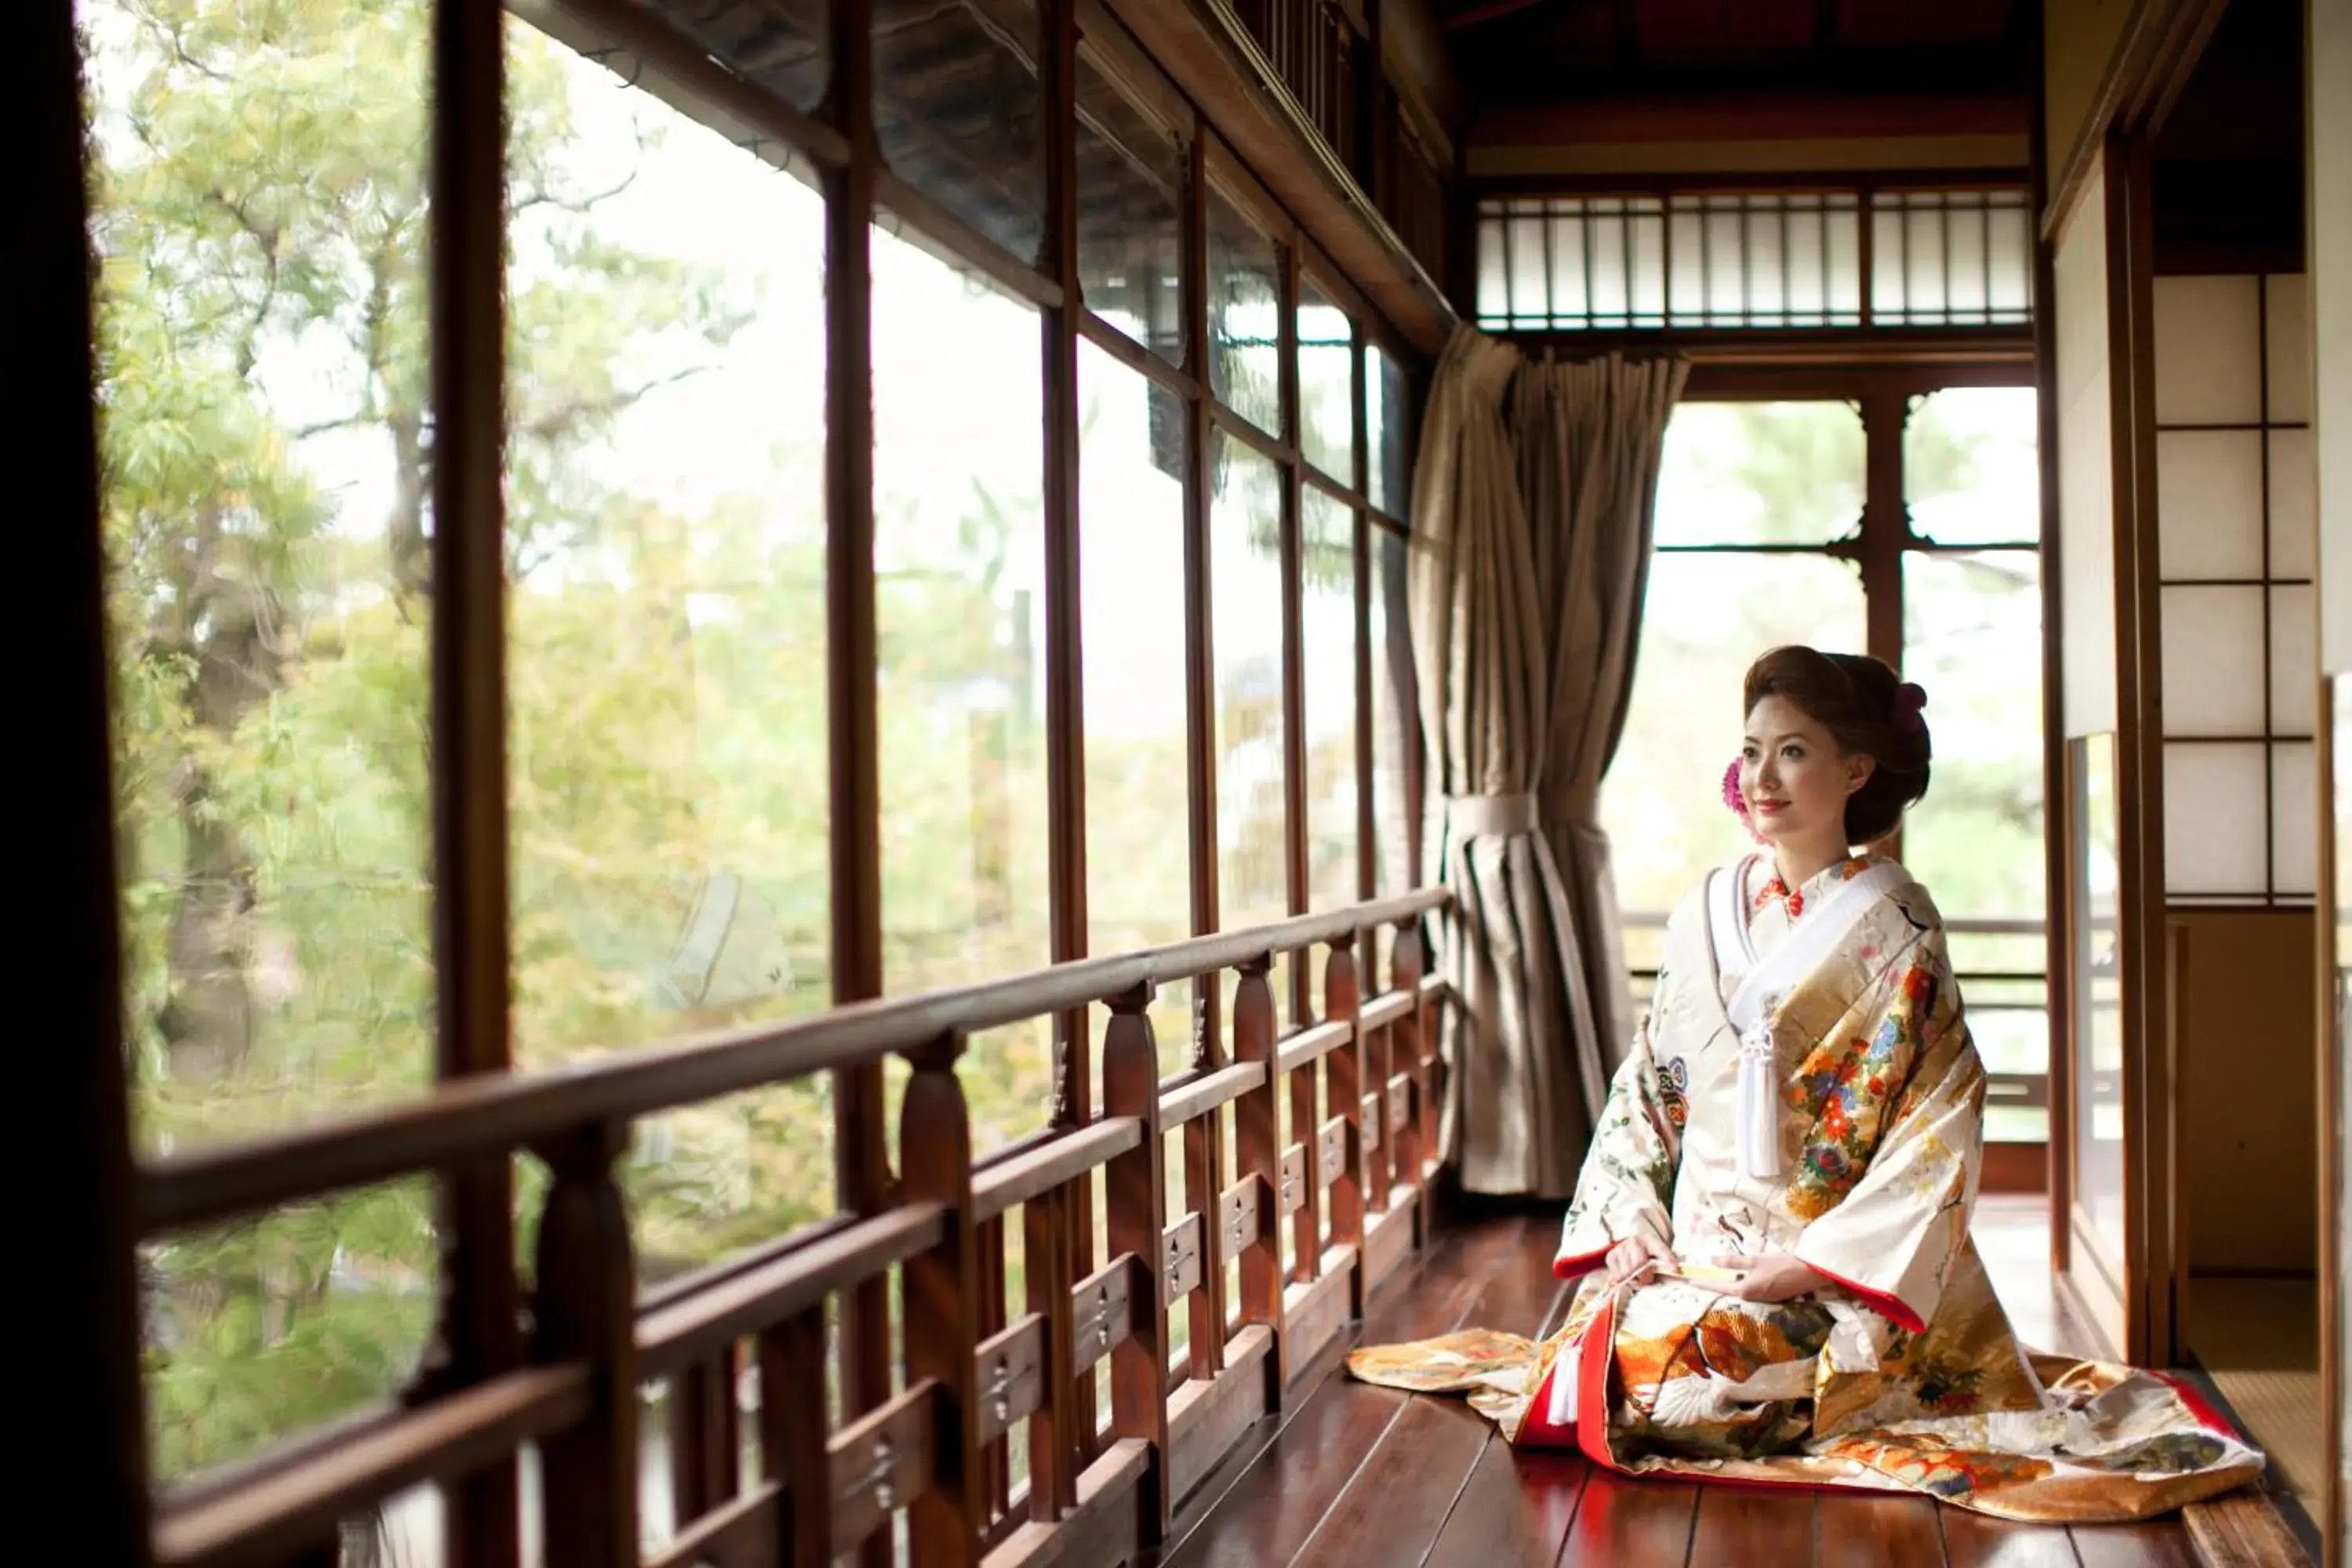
[(1756, 989)]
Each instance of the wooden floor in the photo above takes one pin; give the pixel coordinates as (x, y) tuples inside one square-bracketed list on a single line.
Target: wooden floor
[(1367, 1477)]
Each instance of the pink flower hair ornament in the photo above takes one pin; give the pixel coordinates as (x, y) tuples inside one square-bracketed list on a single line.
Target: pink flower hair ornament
[(1737, 802)]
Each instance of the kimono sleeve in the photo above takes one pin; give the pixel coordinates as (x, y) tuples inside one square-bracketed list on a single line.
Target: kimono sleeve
[(1891, 1241), (1628, 1180)]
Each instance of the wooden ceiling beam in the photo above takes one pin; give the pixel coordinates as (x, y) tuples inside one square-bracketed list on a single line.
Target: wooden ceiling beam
[(1779, 116)]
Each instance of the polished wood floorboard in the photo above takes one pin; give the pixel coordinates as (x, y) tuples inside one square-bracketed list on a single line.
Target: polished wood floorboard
[(1354, 1474)]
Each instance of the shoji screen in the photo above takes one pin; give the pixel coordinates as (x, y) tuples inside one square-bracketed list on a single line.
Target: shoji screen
[(2234, 492)]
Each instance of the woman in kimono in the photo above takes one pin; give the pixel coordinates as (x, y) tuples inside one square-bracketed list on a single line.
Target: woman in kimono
[(1770, 1231)]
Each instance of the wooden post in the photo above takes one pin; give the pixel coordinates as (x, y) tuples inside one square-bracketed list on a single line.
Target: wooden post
[(84, 1381), (1257, 1146), (585, 1310), (477, 1335), (942, 1338), (1203, 1165), (1138, 1213)]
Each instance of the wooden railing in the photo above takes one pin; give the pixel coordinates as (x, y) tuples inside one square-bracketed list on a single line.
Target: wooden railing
[(1343, 1178)]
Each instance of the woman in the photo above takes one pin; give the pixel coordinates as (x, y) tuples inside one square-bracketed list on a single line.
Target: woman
[(1771, 1226)]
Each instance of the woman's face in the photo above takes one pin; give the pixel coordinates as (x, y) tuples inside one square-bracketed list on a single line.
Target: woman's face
[(1794, 777)]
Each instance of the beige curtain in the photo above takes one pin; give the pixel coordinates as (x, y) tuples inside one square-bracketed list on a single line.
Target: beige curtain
[(1531, 539)]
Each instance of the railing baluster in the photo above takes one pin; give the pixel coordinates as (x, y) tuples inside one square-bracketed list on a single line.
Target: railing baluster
[(996, 1463), (703, 1438), (793, 1374), (585, 1310), (942, 1337), (1257, 1147), (1136, 1214), (1412, 1151), (1048, 1241), (1344, 1083), (1203, 1163), (1306, 1130)]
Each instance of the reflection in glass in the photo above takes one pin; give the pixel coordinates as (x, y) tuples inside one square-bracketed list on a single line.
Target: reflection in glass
[(1246, 597), (2094, 888), (1244, 316), (1706, 618), (1970, 473), (1327, 549), (1132, 607), (1131, 196), (959, 114), (1327, 383), (960, 569), (1387, 430), (667, 666), (1761, 473), (264, 520), (1972, 637)]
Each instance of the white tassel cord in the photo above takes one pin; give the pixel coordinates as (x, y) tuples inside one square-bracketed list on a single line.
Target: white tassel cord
[(1760, 1097)]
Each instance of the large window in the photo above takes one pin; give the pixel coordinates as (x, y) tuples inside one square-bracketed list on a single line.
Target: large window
[(1020, 619), (1767, 531)]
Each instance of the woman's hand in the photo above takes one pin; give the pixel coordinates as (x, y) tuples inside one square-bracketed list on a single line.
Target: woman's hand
[(1772, 1277), (1630, 1256)]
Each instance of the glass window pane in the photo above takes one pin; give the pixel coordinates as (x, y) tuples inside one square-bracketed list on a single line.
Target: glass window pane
[(1761, 473), (1395, 725), (1132, 607), (1326, 549), (1494, 281), (959, 112), (2295, 504), (1326, 384), (2216, 830), (1968, 465), (667, 663), (1130, 202), (1244, 316), (1973, 639), (1389, 431), (2215, 683), (2208, 333), (2209, 486), (2294, 661), (960, 568), (267, 506), (265, 517), (1708, 617), (784, 47), (2095, 890), (1245, 597), (2294, 819)]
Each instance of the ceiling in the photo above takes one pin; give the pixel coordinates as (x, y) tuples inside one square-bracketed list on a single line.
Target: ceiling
[(1533, 51)]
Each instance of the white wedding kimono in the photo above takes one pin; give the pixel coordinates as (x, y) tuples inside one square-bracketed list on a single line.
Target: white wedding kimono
[(1805, 1084)]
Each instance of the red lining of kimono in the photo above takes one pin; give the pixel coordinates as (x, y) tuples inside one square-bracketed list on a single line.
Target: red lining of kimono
[(2199, 1405), (1891, 1307), (1569, 1265)]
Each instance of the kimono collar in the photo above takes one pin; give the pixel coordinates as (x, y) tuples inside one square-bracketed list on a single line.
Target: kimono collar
[(1815, 889)]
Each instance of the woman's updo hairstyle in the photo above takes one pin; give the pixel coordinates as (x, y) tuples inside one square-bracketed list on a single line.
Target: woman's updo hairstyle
[(1869, 712)]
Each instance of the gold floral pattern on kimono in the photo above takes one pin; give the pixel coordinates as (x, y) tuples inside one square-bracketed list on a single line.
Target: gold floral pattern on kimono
[(1905, 1373)]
